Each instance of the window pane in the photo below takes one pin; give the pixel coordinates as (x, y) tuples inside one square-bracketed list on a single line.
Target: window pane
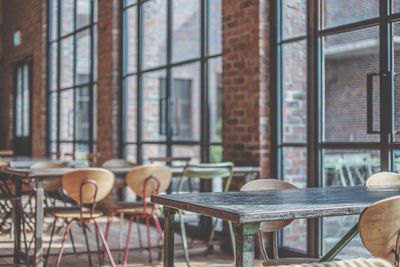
[(82, 114), (67, 62), (83, 56), (185, 110), (67, 16), (130, 153), (346, 168), (53, 68), (154, 33), (294, 95), (216, 154), (191, 151), (53, 19), (185, 29), (53, 116), (81, 151), (348, 58), (395, 6), (130, 40), (130, 108), (83, 13), (294, 171), (294, 18), (396, 81), (215, 95), (18, 102), (339, 12), (153, 151), (66, 148), (129, 2), (154, 106), (26, 101), (215, 27), (67, 115)]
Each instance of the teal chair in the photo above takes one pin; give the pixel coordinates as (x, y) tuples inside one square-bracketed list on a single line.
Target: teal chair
[(206, 171)]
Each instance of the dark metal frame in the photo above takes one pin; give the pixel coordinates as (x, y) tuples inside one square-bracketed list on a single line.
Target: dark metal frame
[(204, 143), (90, 85), (315, 143)]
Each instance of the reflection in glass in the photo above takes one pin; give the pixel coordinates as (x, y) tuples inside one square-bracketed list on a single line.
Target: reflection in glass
[(348, 58), (185, 29), (215, 98), (83, 13), (130, 40), (67, 62), (130, 106), (294, 14), (82, 114), (294, 92), (67, 16), (215, 27), (83, 56), (67, 115)]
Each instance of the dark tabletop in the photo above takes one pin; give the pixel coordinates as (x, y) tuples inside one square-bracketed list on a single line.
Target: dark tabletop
[(256, 206)]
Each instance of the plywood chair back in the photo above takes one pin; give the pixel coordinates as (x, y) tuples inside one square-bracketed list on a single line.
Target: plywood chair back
[(118, 163), (6, 153), (379, 227), (383, 179), (269, 184), (50, 185), (148, 180), (88, 185)]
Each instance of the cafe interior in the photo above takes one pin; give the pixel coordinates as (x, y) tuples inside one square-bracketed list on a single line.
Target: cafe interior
[(200, 133)]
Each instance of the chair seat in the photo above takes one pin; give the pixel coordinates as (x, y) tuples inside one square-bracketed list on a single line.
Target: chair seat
[(289, 261), (130, 207), (72, 213)]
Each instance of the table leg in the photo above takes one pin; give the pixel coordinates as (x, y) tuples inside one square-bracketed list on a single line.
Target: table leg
[(38, 257), (17, 211), (245, 237), (341, 244), (169, 234)]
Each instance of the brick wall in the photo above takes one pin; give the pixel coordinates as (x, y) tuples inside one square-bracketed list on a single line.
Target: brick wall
[(245, 79), (29, 17), (108, 122)]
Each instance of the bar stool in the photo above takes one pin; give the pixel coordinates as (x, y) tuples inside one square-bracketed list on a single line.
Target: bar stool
[(206, 171), (379, 227), (145, 181), (86, 186), (273, 226)]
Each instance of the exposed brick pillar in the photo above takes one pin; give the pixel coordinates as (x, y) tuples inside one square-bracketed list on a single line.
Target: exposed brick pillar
[(245, 78), (29, 17), (108, 88)]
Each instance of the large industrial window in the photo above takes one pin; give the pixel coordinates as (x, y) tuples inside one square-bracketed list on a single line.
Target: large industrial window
[(171, 85), (337, 113), (72, 76)]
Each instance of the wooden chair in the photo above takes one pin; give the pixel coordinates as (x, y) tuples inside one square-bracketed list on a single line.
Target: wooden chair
[(383, 179), (145, 181), (56, 155), (118, 163), (346, 263), (206, 171), (86, 186), (6, 153), (379, 227), (273, 226)]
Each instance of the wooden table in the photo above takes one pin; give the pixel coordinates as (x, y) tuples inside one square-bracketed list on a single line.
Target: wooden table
[(36, 177), (247, 209)]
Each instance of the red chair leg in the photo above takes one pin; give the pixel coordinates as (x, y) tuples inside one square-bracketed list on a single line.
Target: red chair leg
[(147, 217), (104, 241), (126, 252), (158, 227), (67, 230), (108, 225)]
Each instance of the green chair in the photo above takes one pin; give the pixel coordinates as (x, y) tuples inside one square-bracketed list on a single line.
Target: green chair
[(206, 171)]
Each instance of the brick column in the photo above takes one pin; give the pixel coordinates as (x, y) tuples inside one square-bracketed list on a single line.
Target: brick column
[(108, 89), (245, 78)]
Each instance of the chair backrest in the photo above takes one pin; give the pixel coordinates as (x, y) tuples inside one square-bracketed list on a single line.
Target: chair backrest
[(48, 165), (118, 163), (6, 153), (94, 183), (379, 227), (383, 179), (269, 184), (209, 170), (147, 180)]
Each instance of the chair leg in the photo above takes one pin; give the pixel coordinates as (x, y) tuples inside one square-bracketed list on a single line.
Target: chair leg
[(262, 246), (148, 237), (126, 252), (108, 251), (69, 225), (139, 233), (51, 241), (72, 242), (160, 233), (184, 239), (275, 244), (108, 225), (98, 249), (87, 243)]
